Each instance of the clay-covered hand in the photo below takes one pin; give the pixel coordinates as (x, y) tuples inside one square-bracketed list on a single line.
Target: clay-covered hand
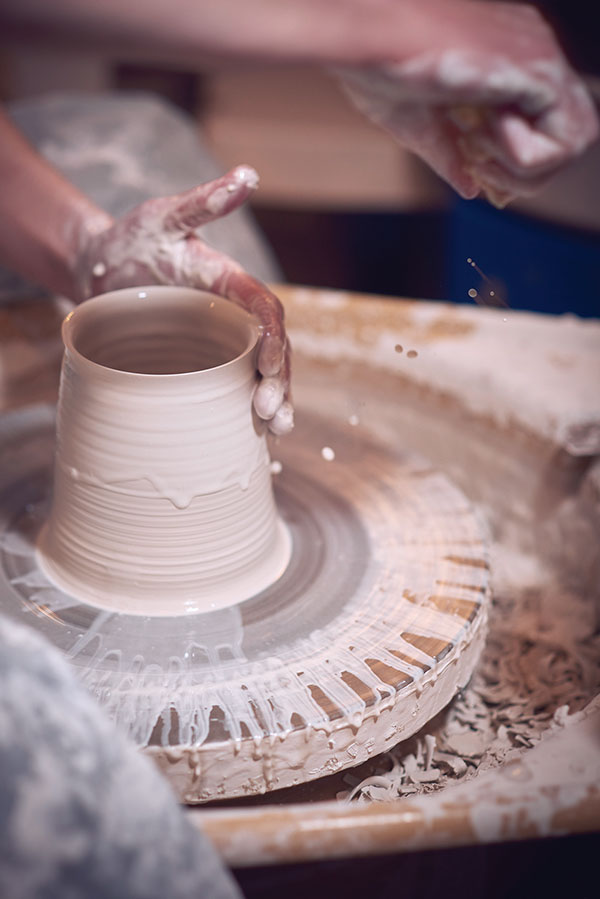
[(487, 98), (157, 243)]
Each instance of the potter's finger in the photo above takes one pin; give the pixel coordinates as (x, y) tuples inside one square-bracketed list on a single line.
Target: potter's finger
[(271, 354), (210, 201), (507, 156), (238, 286), (268, 397), (524, 148), (501, 186), (283, 420), (573, 122), (284, 374), (517, 169), (219, 273)]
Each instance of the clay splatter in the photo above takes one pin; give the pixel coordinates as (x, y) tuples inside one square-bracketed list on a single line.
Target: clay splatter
[(491, 298)]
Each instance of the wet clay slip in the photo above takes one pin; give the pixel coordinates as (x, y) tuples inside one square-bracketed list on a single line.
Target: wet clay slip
[(162, 493)]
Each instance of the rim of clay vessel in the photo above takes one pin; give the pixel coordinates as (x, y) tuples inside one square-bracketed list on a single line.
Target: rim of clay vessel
[(88, 331)]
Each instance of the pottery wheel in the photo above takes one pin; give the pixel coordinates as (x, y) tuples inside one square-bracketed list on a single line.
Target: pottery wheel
[(376, 623)]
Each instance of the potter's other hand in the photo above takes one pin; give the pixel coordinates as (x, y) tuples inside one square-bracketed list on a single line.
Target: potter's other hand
[(158, 243), (485, 97)]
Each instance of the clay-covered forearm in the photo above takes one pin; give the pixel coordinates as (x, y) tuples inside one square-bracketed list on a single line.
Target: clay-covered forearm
[(55, 236), (43, 218), (490, 103), (334, 32)]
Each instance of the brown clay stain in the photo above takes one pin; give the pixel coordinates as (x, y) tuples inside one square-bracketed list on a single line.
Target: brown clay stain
[(431, 646), (477, 588), (447, 325), (454, 605), (387, 674), (467, 560), (408, 659), (359, 317), (362, 318), (258, 716), (327, 704), (361, 689), (297, 721)]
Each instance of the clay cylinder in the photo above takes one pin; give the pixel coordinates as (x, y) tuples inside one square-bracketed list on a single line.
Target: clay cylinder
[(162, 490)]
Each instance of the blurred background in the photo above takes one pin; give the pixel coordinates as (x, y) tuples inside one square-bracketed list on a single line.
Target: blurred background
[(341, 205)]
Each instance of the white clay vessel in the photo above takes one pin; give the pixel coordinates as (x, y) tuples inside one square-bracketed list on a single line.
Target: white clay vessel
[(163, 502)]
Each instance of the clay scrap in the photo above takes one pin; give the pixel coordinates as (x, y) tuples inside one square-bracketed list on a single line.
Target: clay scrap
[(541, 664)]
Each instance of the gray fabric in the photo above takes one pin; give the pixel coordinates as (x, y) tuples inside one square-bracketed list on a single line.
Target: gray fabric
[(122, 149), (82, 814)]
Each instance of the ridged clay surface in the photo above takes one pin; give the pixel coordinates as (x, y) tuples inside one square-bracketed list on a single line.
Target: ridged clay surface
[(162, 490)]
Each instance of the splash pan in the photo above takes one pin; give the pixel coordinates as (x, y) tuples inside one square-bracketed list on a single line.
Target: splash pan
[(507, 403), (378, 620)]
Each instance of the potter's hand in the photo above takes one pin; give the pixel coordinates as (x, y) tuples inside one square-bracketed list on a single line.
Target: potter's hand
[(157, 243), (488, 100)]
